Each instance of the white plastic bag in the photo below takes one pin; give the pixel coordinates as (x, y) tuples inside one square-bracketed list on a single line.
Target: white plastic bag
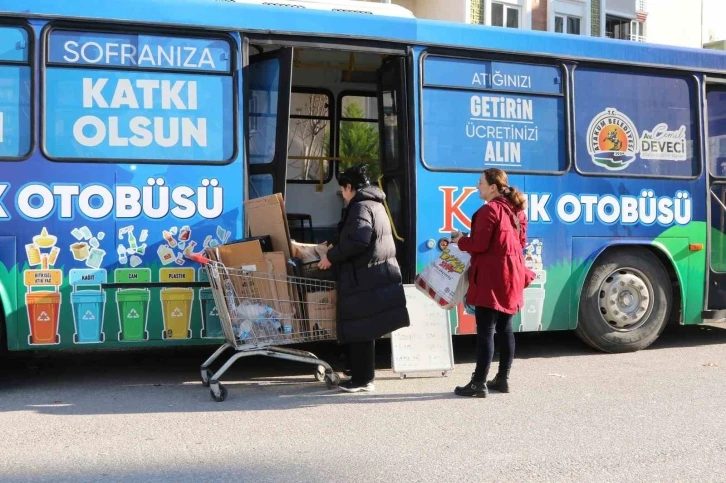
[(446, 279)]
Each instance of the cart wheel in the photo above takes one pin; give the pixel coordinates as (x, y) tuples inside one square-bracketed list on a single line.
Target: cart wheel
[(206, 376), (445, 374), (332, 380), (319, 373), (222, 394), (75, 338)]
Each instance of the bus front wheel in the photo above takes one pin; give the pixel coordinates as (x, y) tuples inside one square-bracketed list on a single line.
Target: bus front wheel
[(626, 301)]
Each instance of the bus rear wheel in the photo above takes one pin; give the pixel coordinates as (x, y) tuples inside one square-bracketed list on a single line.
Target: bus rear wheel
[(626, 301)]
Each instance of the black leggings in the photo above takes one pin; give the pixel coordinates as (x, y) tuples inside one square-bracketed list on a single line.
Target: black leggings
[(486, 321)]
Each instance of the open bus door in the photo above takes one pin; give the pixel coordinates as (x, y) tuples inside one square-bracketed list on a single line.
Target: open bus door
[(268, 78), (715, 306), (393, 113)]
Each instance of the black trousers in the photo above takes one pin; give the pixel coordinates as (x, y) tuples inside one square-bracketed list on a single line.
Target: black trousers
[(487, 321), (362, 361)]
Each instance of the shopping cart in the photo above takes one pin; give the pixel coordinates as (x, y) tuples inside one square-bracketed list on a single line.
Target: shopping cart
[(259, 312)]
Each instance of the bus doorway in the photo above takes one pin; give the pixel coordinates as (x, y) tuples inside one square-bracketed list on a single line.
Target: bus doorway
[(312, 112)]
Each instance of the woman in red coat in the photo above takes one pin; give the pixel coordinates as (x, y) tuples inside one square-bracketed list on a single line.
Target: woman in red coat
[(496, 276)]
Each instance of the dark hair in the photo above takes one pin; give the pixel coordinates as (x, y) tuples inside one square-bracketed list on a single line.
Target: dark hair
[(498, 177), (356, 177)]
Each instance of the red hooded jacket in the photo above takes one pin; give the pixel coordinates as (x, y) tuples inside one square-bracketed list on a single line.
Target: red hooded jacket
[(497, 271)]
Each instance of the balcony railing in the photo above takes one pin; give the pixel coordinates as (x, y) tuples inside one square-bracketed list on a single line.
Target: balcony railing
[(631, 37)]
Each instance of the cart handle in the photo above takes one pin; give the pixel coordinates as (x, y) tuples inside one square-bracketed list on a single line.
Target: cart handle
[(198, 258)]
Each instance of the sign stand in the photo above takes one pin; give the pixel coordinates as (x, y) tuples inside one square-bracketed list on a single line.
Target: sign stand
[(424, 346)]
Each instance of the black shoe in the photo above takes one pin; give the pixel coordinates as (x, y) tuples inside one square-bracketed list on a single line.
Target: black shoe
[(473, 389), (500, 383)]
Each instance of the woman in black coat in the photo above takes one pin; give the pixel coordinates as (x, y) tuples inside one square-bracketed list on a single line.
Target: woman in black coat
[(371, 301)]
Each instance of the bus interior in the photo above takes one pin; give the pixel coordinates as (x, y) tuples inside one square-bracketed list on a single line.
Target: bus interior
[(344, 108)]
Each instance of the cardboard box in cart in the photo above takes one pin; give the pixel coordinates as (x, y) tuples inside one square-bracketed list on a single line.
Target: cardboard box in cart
[(248, 255), (266, 216)]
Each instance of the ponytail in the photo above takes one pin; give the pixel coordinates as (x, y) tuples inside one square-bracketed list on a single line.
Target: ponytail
[(498, 177), (515, 197)]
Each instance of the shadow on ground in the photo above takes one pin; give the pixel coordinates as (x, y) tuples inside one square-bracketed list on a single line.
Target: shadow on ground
[(167, 380)]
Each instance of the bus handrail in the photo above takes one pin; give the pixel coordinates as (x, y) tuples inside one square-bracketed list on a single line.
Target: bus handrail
[(388, 211)]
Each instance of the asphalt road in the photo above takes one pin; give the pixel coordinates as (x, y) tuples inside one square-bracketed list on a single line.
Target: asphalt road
[(573, 415)]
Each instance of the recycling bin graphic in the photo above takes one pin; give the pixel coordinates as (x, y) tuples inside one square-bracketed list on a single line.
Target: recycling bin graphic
[(88, 305), (211, 323), (133, 304), (534, 297), (43, 313), (176, 303), (133, 308), (43, 305)]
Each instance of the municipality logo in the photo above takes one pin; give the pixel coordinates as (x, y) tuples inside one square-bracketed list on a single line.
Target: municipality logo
[(612, 140)]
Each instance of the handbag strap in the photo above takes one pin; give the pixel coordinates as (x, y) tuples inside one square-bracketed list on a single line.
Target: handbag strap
[(514, 219)]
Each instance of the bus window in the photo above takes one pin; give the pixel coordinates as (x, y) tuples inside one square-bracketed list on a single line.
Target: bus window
[(15, 94), (263, 78), (635, 124), (133, 98), (481, 113), (358, 136), (309, 136)]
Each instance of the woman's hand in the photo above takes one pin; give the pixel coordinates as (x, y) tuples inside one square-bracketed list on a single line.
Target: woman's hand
[(324, 263), (455, 237)]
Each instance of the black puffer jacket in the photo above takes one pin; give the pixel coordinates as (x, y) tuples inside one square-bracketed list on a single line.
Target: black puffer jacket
[(371, 301)]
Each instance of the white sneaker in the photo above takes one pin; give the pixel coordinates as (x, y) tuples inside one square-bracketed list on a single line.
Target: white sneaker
[(349, 386)]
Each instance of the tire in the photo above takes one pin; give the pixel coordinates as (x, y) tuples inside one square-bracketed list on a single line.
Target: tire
[(626, 301)]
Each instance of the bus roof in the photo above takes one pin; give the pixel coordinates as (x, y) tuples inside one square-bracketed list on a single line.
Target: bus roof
[(229, 15), (349, 6)]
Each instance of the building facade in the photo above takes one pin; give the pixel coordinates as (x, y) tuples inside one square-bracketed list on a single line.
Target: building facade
[(686, 23)]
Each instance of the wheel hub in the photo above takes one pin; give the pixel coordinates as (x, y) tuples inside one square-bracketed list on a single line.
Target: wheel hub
[(626, 299)]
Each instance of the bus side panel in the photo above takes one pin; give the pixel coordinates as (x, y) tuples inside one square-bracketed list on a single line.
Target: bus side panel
[(451, 199), (78, 223), (8, 287)]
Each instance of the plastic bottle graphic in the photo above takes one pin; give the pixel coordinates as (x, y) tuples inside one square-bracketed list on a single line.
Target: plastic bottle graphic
[(132, 241), (534, 295)]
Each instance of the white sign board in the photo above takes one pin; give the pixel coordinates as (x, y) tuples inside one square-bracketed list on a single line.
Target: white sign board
[(424, 346)]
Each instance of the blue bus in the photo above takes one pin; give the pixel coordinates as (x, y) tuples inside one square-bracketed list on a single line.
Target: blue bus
[(132, 133)]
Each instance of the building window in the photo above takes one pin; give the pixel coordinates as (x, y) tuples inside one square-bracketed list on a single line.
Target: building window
[(477, 12), (505, 15), (595, 18), (637, 30), (617, 27), (567, 24)]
